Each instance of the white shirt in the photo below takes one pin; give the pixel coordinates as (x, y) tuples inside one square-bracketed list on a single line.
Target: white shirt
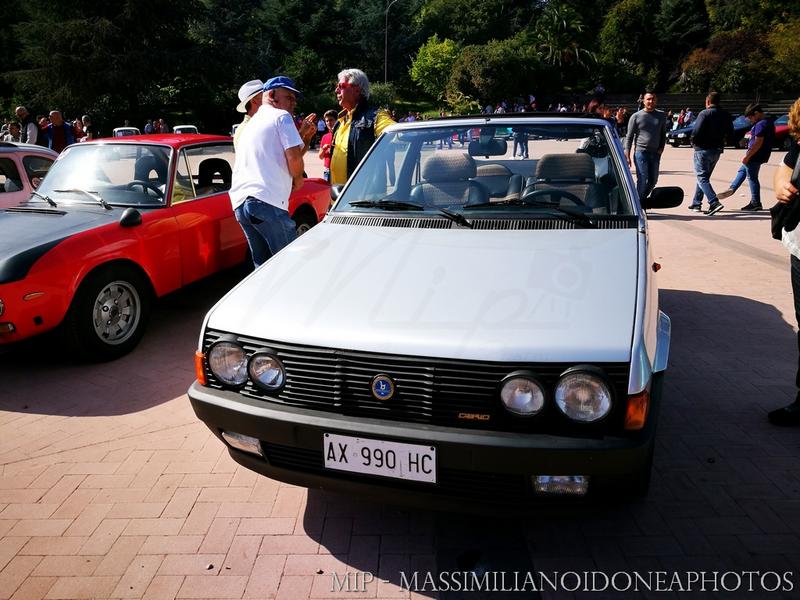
[(260, 169)]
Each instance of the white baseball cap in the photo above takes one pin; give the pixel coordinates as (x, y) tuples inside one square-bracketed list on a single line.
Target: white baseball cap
[(247, 92)]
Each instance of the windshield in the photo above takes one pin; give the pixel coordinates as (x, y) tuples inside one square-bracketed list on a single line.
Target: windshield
[(535, 167), (121, 174)]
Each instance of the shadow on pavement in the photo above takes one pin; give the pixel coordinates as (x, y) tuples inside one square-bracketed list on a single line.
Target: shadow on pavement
[(723, 496), (38, 376)]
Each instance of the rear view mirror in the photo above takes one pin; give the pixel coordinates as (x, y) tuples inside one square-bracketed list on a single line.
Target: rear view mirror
[(663, 197), (490, 147)]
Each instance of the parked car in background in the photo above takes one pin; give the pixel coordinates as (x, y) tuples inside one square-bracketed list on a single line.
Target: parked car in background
[(115, 224), (125, 131), (680, 137), (180, 129), (461, 328), (22, 166)]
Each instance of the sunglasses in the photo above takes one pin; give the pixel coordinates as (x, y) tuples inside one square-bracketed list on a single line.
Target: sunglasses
[(343, 85)]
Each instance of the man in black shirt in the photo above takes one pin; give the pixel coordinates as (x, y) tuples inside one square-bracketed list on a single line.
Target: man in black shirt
[(708, 139)]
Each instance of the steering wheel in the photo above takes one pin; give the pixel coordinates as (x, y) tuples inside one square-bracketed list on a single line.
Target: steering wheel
[(145, 185), (553, 192)]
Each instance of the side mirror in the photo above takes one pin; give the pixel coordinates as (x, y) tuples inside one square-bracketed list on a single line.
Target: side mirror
[(663, 197), (336, 191), (130, 218)]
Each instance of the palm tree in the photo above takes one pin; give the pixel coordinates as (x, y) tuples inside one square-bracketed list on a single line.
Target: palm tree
[(559, 37)]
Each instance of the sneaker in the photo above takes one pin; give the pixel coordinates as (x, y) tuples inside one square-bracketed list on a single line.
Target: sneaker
[(714, 208), (752, 207), (788, 416), (696, 207), (726, 194)]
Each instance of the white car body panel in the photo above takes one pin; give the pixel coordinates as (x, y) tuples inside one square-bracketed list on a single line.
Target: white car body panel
[(561, 295)]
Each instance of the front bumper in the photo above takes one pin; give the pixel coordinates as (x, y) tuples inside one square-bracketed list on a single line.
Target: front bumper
[(481, 466)]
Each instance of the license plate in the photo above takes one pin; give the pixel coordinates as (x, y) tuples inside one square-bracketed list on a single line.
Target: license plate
[(412, 462)]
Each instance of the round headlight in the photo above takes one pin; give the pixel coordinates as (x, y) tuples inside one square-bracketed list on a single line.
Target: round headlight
[(522, 395), (228, 363), (267, 371), (583, 396)]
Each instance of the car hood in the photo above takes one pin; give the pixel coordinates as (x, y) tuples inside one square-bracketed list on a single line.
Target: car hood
[(27, 234), (564, 295)]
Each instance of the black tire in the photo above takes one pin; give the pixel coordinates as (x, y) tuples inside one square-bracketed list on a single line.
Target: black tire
[(109, 313), (303, 221)]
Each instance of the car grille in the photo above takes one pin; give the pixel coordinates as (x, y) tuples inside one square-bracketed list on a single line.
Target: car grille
[(461, 393), (458, 483)]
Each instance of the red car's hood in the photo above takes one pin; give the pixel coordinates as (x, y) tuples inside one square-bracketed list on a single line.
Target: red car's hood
[(27, 233)]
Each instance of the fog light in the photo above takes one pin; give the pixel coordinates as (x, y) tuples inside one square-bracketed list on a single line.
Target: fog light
[(7, 328), (245, 443), (565, 485)]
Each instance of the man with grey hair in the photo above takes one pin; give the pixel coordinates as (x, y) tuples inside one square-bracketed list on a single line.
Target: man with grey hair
[(29, 131), (358, 126)]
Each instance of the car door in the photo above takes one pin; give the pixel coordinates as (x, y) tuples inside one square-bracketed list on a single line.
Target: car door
[(210, 237)]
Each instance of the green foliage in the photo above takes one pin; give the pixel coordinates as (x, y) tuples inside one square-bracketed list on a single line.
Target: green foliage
[(627, 32), (185, 59), (784, 44), (432, 67), (462, 104), (562, 38), (499, 69), (383, 94)]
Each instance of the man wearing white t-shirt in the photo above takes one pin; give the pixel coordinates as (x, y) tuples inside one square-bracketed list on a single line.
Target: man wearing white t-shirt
[(268, 167)]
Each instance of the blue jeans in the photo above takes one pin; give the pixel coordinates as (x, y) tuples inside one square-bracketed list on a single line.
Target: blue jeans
[(267, 228), (704, 163), (647, 165), (749, 171), (522, 144)]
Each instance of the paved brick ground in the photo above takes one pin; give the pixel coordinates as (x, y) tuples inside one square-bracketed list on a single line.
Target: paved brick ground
[(110, 488)]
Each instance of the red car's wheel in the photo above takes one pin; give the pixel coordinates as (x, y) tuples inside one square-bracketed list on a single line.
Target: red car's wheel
[(108, 315)]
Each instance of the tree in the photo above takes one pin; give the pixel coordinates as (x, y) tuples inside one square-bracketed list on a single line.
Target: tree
[(784, 44), (561, 37), (470, 22), (500, 69), (433, 65), (628, 33)]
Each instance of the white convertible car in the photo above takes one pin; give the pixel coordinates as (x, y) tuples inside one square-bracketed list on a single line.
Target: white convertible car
[(461, 328)]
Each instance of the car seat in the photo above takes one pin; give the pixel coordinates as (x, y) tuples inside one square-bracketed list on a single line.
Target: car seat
[(573, 173), (447, 181), (206, 171)]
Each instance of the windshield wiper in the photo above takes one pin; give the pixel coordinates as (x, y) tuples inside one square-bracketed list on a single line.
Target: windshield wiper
[(387, 204), (93, 195), (573, 216), (47, 199), (455, 217)]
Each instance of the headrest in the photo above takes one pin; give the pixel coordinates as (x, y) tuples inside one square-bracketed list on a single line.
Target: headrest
[(493, 170), (565, 167), (448, 166)]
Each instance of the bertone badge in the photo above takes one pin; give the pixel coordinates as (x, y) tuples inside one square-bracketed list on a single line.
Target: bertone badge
[(382, 387)]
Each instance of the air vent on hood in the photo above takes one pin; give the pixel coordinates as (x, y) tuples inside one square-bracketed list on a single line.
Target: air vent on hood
[(40, 211), (601, 222), (409, 222)]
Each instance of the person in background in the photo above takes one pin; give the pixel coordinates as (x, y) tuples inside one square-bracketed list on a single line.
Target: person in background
[(59, 132), (148, 127), (77, 129), (89, 133), (250, 97), (41, 138), (29, 133), (759, 149), (713, 125), (646, 137), (268, 167), (326, 144), (13, 134), (358, 126), (786, 192)]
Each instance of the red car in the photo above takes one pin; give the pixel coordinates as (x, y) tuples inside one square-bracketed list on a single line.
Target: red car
[(116, 223)]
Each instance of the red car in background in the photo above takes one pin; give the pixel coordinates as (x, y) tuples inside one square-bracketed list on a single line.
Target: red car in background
[(116, 223)]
